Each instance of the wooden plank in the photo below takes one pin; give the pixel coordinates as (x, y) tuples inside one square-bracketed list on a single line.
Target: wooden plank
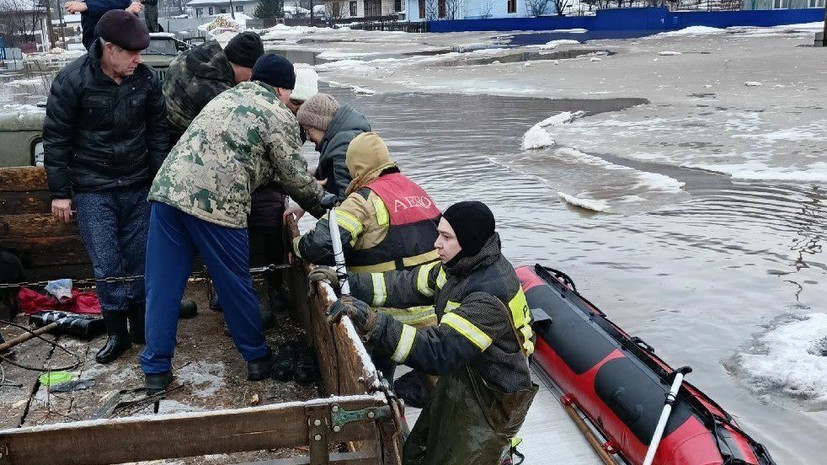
[(338, 458), (23, 178), (35, 225), (47, 251), (73, 271), (15, 203), (171, 436)]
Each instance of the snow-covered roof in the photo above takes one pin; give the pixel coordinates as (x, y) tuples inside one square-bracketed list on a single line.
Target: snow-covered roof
[(218, 2)]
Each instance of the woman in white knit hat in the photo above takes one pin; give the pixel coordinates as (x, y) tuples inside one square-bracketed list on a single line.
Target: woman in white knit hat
[(307, 85)]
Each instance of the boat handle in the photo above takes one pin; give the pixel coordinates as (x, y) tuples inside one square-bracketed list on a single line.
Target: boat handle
[(642, 344)]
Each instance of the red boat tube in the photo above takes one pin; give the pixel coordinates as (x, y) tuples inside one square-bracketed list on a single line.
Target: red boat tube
[(620, 385)]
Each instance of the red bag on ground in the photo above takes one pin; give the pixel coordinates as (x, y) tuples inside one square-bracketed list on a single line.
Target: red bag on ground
[(82, 302)]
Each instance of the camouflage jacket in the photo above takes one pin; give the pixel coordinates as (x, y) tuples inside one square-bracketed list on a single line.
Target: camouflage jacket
[(244, 138), (193, 79)]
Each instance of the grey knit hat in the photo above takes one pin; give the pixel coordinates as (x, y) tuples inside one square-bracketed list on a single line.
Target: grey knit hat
[(318, 111)]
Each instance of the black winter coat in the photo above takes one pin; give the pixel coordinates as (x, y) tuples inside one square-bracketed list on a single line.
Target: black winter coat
[(99, 135)]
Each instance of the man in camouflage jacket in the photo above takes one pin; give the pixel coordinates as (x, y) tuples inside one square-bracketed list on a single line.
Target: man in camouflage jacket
[(200, 198)]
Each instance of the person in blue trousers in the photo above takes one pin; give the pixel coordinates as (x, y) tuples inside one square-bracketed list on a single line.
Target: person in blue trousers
[(244, 138), (91, 12)]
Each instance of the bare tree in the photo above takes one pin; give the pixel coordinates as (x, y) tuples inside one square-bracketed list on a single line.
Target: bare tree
[(537, 7), (560, 6), (431, 10), (453, 9), (20, 20), (486, 6)]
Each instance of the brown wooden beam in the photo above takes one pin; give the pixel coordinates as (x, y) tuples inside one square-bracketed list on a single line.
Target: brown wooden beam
[(35, 225), (13, 203), (47, 251), (336, 458), (135, 439), (23, 178)]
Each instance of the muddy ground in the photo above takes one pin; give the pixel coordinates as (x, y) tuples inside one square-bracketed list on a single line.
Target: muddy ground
[(209, 375)]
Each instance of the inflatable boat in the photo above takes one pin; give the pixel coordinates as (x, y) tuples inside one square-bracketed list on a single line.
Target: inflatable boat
[(616, 386)]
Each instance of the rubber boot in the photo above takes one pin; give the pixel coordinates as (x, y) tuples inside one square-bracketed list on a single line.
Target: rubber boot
[(284, 367), (118, 341), (137, 316), (158, 382), (307, 367), (260, 368), (276, 302)]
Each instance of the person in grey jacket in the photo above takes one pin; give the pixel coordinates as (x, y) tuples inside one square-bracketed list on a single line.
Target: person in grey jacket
[(331, 127)]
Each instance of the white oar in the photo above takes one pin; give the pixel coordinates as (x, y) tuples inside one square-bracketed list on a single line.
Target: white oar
[(664, 416), (338, 253)]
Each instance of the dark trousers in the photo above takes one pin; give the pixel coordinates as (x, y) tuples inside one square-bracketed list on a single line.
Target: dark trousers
[(113, 225), (174, 238), (151, 16), (267, 232)]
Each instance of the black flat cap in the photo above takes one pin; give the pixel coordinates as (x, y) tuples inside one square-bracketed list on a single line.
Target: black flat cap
[(123, 29)]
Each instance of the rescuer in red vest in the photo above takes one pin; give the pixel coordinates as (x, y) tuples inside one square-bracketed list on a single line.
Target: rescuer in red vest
[(386, 222)]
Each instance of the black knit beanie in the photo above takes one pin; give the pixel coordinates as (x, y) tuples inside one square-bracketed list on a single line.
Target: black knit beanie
[(473, 224), (275, 70), (244, 49)]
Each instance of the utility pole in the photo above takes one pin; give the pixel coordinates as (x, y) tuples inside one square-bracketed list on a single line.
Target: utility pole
[(311, 13), (232, 9), (49, 24), (824, 37), (62, 25)]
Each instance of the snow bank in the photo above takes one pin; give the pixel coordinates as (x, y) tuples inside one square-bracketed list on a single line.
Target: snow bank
[(556, 43), (693, 31)]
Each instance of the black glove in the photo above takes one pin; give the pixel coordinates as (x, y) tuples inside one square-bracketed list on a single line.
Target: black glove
[(328, 201), (363, 317), (323, 274)]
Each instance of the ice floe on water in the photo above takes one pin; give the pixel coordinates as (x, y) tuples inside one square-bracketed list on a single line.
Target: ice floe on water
[(790, 358), (758, 171), (587, 204), (539, 137)]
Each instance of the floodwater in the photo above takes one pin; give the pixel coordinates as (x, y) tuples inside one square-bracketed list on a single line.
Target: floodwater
[(698, 264), (711, 269)]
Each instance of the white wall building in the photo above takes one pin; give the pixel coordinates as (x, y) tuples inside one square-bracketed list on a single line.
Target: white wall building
[(204, 8)]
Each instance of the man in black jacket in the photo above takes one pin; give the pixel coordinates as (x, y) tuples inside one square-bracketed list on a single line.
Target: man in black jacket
[(480, 348), (104, 139)]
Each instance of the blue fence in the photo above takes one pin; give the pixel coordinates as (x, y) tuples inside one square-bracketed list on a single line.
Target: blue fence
[(631, 22)]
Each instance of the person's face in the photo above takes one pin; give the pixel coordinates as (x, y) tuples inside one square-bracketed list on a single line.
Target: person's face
[(314, 135), (284, 94), (241, 73), (294, 105), (446, 243), (122, 62)]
